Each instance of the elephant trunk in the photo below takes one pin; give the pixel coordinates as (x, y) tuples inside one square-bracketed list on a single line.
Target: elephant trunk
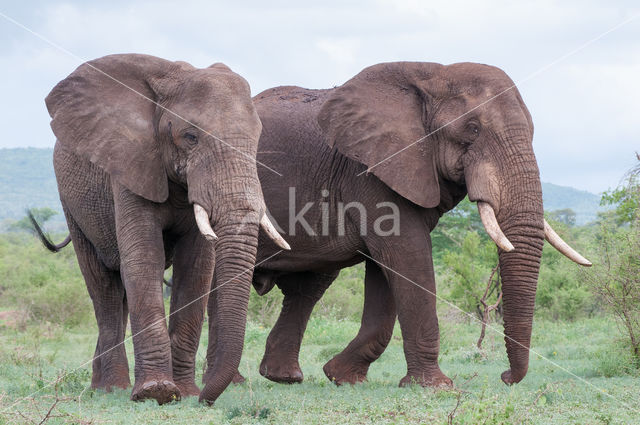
[(519, 272), (227, 204), (235, 258), (521, 219)]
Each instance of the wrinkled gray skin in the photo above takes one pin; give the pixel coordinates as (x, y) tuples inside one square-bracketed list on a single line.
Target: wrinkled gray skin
[(129, 173), (324, 139)]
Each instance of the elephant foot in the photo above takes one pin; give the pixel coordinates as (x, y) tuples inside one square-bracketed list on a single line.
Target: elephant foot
[(281, 372), (435, 379), (238, 378), (163, 391), (340, 373), (510, 378), (188, 388)]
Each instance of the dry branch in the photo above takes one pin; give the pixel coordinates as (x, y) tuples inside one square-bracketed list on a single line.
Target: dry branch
[(489, 308)]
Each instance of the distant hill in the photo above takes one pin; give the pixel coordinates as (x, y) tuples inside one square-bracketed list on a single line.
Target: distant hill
[(585, 204), (27, 180)]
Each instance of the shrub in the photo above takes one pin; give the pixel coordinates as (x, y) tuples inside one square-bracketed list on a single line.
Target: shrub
[(45, 286), (615, 278), (469, 269)]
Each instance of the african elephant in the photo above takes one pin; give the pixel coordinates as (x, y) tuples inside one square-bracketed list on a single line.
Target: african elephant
[(368, 168), (152, 156)]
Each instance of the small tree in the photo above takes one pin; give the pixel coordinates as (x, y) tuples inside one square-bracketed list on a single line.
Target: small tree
[(473, 264), (616, 276), (566, 216), (40, 214)]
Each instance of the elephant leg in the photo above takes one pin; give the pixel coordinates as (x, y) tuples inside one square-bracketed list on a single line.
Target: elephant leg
[(192, 272), (406, 262), (142, 261), (378, 319), (301, 293), (110, 366)]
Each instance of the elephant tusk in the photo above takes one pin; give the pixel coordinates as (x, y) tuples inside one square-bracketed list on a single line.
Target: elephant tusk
[(202, 220), (488, 217), (268, 227), (556, 241)]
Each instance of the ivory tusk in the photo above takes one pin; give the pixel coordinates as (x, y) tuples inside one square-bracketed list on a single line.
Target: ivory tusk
[(268, 227), (556, 241), (202, 220), (488, 217)]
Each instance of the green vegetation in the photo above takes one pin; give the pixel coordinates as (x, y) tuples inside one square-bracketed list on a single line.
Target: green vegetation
[(33, 357), (42, 215)]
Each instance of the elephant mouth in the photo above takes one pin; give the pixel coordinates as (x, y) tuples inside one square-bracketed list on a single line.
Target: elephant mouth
[(490, 223), (204, 225)]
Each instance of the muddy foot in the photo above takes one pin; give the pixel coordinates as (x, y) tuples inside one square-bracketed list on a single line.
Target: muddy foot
[(163, 392), (433, 379), (283, 373), (340, 374)]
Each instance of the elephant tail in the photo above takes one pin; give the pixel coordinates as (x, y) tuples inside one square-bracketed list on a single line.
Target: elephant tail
[(44, 238)]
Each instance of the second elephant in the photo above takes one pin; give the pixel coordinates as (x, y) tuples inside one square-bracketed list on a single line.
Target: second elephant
[(368, 168)]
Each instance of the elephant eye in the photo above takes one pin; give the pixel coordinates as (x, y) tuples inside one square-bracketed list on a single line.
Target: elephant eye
[(191, 138)]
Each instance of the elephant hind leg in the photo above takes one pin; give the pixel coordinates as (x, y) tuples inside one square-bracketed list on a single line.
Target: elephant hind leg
[(110, 366), (301, 293), (378, 318)]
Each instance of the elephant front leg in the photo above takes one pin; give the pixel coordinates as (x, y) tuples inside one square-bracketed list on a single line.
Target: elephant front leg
[(192, 273), (408, 268), (378, 318), (301, 293), (141, 266)]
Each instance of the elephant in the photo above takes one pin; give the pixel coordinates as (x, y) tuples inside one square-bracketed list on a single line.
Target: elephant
[(155, 164), (368, 169)]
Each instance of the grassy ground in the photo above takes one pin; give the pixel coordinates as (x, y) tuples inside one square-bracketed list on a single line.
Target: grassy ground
[(32, 356)]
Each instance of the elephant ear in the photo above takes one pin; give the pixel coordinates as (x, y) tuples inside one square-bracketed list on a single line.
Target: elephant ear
[(104, 112), (377, 117)]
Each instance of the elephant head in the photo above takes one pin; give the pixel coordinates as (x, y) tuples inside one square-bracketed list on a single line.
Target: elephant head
[(154, 126), (423, 127)]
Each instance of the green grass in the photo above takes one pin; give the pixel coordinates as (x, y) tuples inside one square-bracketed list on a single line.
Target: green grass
[(33, 357), (47, 330)]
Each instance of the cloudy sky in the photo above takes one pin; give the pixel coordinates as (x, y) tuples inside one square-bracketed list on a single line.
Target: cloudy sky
[(584, 98)]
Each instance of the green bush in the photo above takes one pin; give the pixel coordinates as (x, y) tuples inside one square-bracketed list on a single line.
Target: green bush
[(345, 297), (469, 268), (617, 359), (561, 293), (343, 300), (46, 287)]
